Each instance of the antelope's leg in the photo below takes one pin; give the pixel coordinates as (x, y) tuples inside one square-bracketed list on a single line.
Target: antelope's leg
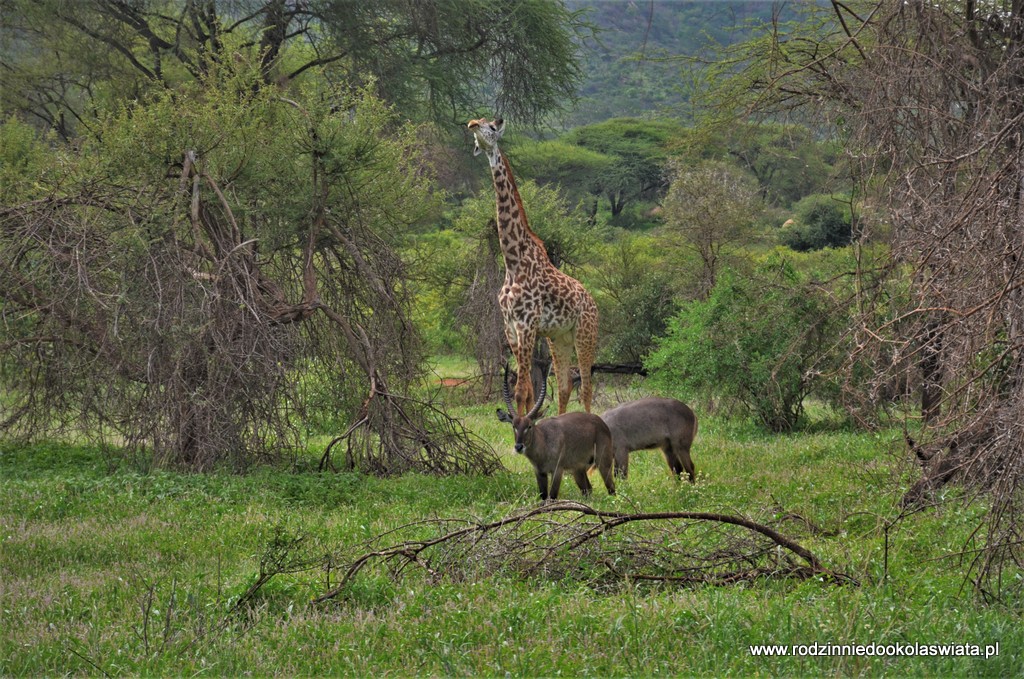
[(583, 481)]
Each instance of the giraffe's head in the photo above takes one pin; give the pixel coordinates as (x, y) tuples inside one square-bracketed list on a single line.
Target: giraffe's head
[(486, 134)]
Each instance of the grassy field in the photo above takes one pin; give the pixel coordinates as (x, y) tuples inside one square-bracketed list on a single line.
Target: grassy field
[(107, 570)]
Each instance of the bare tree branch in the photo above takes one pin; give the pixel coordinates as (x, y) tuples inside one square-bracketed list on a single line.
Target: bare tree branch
[(562, 537)]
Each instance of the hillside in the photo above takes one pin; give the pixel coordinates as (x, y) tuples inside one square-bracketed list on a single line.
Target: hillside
[(630, 69)]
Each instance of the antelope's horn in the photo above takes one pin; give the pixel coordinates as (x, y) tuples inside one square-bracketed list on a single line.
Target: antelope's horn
[(540, 398)]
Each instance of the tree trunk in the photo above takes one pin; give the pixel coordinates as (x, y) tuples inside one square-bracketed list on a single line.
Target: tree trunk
[(931, 378)]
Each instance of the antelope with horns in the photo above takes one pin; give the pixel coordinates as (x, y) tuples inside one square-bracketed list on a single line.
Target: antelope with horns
[(653, 423), (572, 442)]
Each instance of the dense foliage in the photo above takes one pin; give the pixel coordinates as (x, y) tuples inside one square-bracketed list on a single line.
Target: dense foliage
[(438, 60), (637, 290), (760, 340), (926, 98), (633, 67), (819, 222), (200, 255)]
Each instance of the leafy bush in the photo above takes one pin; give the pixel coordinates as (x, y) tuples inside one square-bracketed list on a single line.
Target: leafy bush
[(636, 294), (757, 341), (821, 222), (22, 156)]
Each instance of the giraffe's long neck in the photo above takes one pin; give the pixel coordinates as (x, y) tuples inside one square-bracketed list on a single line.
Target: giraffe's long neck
[(518, 243)]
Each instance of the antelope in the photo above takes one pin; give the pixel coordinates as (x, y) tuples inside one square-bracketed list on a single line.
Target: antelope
[(573, 442), (653, 423)]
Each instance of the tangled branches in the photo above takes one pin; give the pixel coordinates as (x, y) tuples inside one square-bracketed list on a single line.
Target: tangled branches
[(937, 127), (211, 305), (929, 100), (418, 435), (572, 540), (480, 312)]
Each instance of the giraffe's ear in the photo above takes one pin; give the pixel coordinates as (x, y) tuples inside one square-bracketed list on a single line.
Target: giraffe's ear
[(476, 147), (500, 124)]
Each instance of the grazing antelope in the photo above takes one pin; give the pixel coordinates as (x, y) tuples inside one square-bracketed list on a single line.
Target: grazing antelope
[(653, 423), (572, 442)]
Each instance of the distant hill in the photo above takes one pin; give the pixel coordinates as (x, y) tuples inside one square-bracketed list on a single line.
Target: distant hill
[(626, 72)]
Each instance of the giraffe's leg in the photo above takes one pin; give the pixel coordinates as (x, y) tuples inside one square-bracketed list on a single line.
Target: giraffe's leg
[(523, 351), (561, 357), (520, 342), (586, 352)]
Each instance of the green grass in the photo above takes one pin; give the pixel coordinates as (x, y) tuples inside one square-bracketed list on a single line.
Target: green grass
[(107, 570)]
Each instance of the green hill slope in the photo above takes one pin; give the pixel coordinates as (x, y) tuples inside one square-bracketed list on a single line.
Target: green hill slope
[(629, 72)]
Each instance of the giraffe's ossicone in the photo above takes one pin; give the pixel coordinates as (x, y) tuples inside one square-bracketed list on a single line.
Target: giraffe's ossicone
[(537, 299)]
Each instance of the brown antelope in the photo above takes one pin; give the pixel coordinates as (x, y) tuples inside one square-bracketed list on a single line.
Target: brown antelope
[(572, 442), (653, 423)]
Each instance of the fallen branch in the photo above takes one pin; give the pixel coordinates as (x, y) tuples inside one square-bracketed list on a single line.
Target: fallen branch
[(568, 538)]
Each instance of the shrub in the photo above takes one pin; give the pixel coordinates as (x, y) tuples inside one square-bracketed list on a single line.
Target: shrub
[(637, 292), (214, 270), (821, 221), (758, 341)]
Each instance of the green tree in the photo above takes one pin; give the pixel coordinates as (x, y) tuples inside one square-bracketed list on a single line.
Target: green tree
[(215, 269), (709, 210), (637, 293), (820, 222), (439, 60), (787, 160), (759, 341), (639, 151), (577, 171)]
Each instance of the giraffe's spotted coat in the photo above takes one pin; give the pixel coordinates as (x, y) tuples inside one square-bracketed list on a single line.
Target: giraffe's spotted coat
[(537, 299)]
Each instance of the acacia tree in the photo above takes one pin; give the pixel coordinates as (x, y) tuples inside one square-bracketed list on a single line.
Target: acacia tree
[(709, 209), (215, 269), (637, 150), (576, 171), (210, 266), (436, 60), (929, 97)]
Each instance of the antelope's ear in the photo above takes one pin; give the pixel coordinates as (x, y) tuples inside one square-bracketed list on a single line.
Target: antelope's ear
[(540, 413), (503, 416)]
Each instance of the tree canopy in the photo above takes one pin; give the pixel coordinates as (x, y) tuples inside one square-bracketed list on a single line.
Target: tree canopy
[(709, 208), (638, 150), (436, 60)]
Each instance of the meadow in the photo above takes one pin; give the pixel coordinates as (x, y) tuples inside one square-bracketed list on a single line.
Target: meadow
[(110, 569)]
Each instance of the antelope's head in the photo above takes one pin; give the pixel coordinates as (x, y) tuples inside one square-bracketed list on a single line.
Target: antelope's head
[(522, 427)]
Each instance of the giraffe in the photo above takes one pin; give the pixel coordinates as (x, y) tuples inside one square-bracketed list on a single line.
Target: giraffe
[(537, 299)]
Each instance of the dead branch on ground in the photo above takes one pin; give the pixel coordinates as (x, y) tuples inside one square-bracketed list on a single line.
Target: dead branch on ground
[(572, 540)]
